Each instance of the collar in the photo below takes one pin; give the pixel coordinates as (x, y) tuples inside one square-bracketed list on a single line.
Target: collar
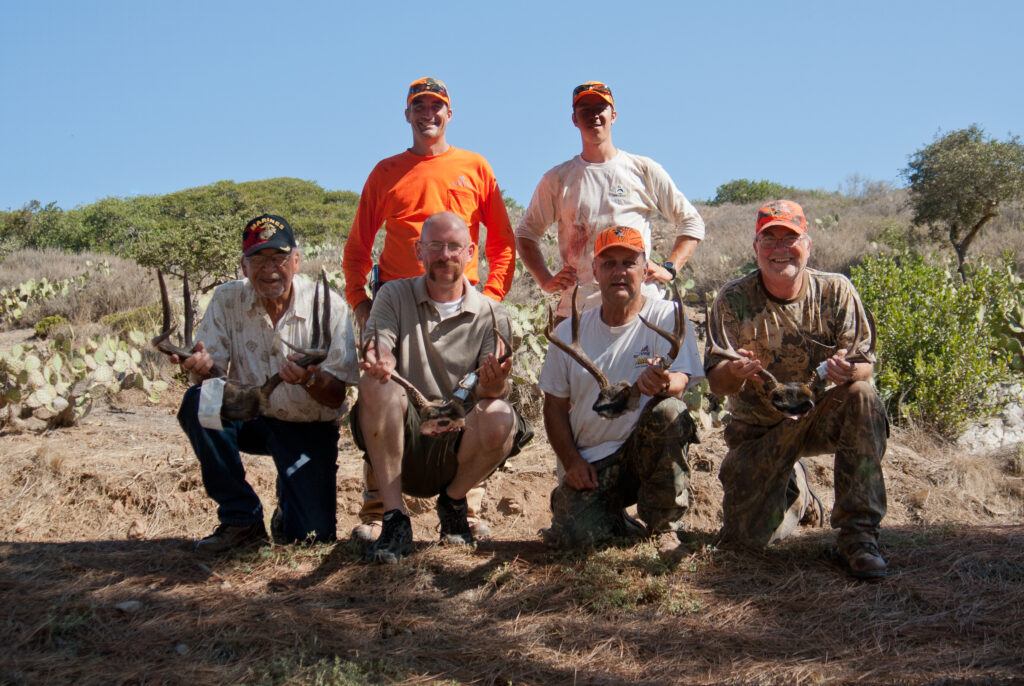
[(472, 301)]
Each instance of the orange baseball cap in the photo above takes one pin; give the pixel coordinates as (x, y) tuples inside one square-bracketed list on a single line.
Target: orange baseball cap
[(428, 86), (781, 213), (619, 237), (592, 88)]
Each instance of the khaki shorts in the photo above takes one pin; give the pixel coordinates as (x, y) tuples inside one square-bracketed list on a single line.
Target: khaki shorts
[(429, 463)]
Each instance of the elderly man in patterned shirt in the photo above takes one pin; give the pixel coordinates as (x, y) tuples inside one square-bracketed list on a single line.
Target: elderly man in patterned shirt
[(243, 332)]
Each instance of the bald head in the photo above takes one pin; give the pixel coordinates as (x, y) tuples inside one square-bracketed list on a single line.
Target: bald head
[(448, 223)]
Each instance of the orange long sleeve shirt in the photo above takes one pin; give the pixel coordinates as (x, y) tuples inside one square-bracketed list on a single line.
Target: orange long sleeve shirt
[(401, 192)]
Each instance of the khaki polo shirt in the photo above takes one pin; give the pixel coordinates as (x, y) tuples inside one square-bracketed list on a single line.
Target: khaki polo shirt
[(409, 324)]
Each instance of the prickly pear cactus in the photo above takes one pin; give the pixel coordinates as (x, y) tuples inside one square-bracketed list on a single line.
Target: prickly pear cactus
[(50, 385)]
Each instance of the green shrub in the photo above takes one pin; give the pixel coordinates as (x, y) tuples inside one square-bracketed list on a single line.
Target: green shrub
[(47, 325), (937, 347), (743, 191)]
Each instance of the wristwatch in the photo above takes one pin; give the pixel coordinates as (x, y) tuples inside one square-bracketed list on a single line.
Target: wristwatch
[(310, 381), (670, 267)]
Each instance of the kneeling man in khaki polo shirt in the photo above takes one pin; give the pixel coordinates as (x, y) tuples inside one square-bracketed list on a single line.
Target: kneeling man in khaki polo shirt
[(434, 331)]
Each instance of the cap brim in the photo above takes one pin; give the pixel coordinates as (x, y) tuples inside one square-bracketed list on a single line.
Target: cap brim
[(440, 97), (266, 246), (599, 96), (795, 228)]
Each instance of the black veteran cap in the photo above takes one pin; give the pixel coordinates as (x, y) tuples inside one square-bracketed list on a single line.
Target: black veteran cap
[(267, 231)]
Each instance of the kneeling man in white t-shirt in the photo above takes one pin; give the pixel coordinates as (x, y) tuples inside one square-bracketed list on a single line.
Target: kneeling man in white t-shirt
[(634, 451)]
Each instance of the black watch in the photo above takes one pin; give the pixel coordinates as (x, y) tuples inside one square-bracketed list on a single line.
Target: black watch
[(670, 267)]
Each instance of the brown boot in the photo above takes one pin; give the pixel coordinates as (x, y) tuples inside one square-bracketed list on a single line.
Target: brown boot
[(864, 561), (227, 537)]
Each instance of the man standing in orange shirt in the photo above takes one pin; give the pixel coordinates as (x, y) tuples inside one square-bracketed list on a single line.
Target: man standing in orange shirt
[(400, 194)]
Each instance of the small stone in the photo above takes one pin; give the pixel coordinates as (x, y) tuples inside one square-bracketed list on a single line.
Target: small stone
[(181, 649), (135, 531), (129, 606)]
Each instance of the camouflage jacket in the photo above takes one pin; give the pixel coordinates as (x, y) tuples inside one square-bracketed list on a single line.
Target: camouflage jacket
[(790, 338)]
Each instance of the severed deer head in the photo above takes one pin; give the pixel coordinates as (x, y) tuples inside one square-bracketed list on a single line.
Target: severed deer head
[(247, 401), (448, 414), (614, 400), (794, 399)]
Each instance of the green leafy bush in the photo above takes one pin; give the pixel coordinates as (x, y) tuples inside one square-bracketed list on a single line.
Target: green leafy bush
[(742, 191), (937, 346)]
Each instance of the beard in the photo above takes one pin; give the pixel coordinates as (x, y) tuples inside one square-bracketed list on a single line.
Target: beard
[(444, 272)]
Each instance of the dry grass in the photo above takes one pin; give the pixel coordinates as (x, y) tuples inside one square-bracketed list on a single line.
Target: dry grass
[(102, 514)]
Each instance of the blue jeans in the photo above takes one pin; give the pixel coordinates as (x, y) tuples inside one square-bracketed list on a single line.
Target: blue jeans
[(306, 457)]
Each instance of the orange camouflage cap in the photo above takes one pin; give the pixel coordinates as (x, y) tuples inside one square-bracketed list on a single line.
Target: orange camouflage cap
[(619, 237), (785, 213), (597, 88), (428, 86)]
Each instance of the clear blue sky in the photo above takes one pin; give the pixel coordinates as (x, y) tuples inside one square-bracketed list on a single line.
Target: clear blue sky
[(138, 97)]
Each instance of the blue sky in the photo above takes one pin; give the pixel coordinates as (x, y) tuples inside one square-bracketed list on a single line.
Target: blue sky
[(123, 98)]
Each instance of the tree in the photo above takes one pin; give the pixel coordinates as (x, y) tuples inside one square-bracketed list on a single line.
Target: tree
[(958, 182)]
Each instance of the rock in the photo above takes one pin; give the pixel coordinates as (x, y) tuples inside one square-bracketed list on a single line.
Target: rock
[(509, 506), (181, 649), (129, 606)]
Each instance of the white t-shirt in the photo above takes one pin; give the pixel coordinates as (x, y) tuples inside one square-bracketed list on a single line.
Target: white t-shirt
[(621, 353), (584, 198), (449, 309)]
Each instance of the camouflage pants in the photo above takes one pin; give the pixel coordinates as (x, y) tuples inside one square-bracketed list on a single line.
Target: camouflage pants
[(649, 469), (765, 495)]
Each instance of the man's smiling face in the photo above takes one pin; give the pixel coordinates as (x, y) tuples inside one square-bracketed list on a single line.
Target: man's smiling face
[(428, 116), (782, 253)]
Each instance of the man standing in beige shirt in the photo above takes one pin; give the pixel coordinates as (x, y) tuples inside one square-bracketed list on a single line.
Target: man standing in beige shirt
[(435, 331)]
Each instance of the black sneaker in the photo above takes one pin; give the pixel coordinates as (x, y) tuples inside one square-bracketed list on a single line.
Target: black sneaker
[(454, 521), (395, 540), (226, 538)]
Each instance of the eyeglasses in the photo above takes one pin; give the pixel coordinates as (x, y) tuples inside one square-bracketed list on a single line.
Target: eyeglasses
[(437, 247), (275, 261), (772, 242)]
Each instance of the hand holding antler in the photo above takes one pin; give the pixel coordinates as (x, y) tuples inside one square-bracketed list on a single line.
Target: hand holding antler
[(494, 371), (199, 362), (378, 362), (746, 367)]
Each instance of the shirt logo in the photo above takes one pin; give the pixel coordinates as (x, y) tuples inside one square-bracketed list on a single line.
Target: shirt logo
[(461, 182), (642, 358)]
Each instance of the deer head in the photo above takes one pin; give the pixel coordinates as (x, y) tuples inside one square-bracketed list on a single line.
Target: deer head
[(614, 400), (448, 414)]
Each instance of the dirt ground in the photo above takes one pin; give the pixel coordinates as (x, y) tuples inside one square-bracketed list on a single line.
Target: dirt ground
[(98, 584)]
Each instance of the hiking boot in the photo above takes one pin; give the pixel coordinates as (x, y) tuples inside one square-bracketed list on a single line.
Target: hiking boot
[(480, 529), (863, 560), (395, 540), (367, 532), (227, 538), (454, 522)]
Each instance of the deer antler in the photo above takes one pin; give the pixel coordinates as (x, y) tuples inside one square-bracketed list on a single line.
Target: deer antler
[(160, 341), (317, 352), (678, 335), (792, 398), (573, 349)]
